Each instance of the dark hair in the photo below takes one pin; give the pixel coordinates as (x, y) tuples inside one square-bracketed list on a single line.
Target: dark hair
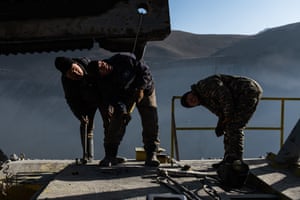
[(183, 100)]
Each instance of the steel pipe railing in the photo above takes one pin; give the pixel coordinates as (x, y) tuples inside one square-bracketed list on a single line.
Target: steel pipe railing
[(174, 142)]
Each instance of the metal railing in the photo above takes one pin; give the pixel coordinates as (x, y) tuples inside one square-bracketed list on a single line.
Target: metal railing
[(174, 142)]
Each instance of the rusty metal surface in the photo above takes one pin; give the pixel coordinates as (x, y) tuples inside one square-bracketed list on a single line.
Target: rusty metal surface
[(52, 25)]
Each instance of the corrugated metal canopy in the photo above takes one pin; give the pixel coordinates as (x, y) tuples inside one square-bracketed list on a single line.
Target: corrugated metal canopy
[(29, 26)]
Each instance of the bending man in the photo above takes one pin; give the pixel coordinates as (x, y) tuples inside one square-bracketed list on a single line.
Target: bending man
[(234, 100), (126, 82), (83, 98)]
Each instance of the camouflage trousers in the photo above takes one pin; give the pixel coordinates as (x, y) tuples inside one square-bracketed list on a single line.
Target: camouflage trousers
[(245, 106)]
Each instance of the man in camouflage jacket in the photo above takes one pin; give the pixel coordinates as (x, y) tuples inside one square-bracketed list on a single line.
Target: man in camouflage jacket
[(234, 100)]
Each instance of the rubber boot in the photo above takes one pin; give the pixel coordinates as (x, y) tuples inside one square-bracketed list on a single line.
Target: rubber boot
[(151, 160)]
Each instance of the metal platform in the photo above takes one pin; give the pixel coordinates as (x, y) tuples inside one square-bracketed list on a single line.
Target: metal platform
[(134, 181)]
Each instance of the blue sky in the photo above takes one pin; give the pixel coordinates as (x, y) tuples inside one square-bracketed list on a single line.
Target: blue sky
[(232, 16)]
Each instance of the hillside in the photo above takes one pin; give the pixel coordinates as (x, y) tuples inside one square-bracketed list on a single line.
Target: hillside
[(280, 42), (274, 46), (182, 45)]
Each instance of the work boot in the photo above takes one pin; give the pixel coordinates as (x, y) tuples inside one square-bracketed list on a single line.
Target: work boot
[(109, 161), (86, 159), (226, 159), (234, 174), (111, 158), (121, 159), (217, 165), (151, 160)]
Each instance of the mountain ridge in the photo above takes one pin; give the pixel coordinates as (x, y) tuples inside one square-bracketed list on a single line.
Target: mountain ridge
[(279, 41), (182, 45)]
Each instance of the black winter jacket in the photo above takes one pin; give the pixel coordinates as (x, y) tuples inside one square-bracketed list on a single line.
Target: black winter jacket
[(220, 93), (128, 75), (80, 95)]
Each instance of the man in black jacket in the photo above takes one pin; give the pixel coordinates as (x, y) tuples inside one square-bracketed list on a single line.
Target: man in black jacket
[(127, 82), (83, 98)]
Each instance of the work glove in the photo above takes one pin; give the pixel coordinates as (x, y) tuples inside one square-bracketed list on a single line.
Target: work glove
[(120, 108), (139, 95), (219, 131), (110, 111), (126, 118)]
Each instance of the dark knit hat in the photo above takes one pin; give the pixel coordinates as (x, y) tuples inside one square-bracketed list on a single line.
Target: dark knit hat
[(83, 62), (183, 100), (63, 64)]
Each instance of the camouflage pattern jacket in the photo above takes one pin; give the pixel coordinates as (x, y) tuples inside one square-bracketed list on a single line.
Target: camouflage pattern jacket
[(220, 93)]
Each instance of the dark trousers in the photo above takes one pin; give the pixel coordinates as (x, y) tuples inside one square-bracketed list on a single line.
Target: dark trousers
[(87, 128), (149, 117), (147, 109)]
